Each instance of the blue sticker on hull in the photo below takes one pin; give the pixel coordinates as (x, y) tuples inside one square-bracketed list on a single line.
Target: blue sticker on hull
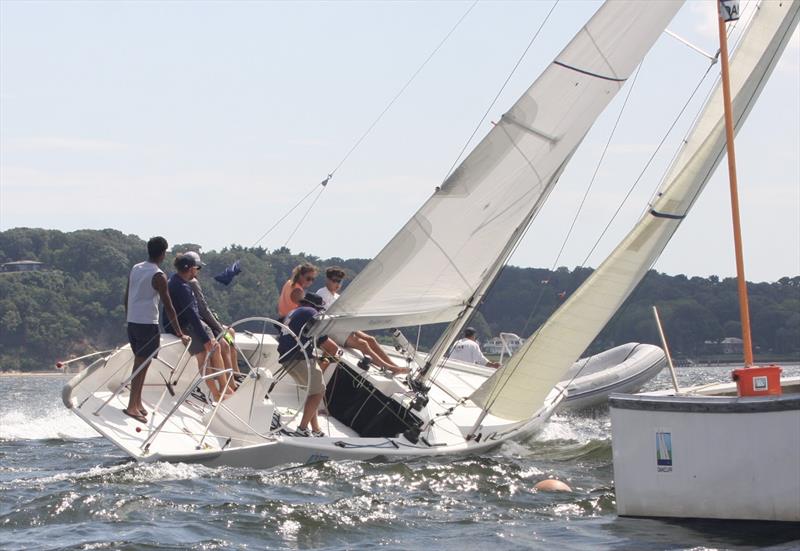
[(664, 451)]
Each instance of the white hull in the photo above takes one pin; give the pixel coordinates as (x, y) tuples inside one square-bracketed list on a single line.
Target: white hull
[(240, 434), (625, 368), (709, 454)]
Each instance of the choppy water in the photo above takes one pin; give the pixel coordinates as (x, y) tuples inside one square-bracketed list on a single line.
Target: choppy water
[(61, 487)]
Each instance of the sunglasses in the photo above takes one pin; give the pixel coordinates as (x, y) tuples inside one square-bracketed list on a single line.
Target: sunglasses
[(335, 279), (309, 278)]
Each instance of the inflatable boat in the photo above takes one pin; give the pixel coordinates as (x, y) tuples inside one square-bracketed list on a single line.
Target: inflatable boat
[(625, 368)]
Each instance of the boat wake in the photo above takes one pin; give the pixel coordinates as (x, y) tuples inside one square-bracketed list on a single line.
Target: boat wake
[(566, 437), (51, 423)]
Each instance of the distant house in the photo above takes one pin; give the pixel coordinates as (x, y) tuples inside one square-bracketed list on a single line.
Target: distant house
[(728, 345), (22, 266), (731, 345), (494, 346)]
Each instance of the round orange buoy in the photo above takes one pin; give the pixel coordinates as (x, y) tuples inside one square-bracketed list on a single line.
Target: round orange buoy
[(552, 485)]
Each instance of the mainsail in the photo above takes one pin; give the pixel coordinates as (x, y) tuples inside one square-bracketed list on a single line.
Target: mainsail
[(518, 389), (461, 236)]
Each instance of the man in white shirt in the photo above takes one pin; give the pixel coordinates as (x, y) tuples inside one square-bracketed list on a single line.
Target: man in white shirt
[(333, 282), (147, 283), (467, 349)]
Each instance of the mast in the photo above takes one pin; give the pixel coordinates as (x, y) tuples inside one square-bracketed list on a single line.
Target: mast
[(728, 10)]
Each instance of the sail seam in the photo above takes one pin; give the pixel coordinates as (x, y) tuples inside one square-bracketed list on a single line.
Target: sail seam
[(589, 73)]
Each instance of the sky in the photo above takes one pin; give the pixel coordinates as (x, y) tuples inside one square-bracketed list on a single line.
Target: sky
[(207, 122)]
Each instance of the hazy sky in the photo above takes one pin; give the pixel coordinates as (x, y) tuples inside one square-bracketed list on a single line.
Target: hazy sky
[(207, 121)]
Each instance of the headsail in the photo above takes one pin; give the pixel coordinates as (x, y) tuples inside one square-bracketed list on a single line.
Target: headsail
[(461, 236), (518, 389)]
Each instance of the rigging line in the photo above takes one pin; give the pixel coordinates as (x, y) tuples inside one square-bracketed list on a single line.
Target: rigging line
[(597, 168), (497, 389), (403, 89), (738, 120), (366, 133), (308, 211), (585, 195), (275, 225), (730, 32), (731, 28), (491, 105), (494, 394), (646, 166), (658, 148)]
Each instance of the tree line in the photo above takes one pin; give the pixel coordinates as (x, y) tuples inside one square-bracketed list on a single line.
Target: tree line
[(74, 305)]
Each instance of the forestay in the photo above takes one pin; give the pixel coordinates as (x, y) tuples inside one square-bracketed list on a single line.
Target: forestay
[(518, 389), (465, 231)]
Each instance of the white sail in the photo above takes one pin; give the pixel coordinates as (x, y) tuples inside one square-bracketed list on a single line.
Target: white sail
[(462, 234), (518, 389)]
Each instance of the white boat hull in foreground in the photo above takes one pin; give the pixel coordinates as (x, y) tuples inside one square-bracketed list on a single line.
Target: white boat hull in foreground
[(708, 454), (243, 430)]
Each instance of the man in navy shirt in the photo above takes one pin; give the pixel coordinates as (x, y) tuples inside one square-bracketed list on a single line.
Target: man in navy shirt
[(291, 357), (203, 342)]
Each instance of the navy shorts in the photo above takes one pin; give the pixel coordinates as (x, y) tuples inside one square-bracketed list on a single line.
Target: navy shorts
[(144, 338)]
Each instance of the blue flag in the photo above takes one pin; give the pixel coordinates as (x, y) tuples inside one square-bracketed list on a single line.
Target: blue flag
[(227, 276)]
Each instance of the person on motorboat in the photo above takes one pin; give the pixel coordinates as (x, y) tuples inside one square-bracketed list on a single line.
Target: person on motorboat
[(227, 349), (203, 343), (359, 340), (295, 287), (147, 283), (293, 360), (467, 349)]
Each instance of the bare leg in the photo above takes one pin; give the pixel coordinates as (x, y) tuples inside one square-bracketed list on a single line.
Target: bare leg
[(233, 358), (375, 347), (226, 353), (310, 411), (354, 341), (135, 406), (211, 383), (224, 381)]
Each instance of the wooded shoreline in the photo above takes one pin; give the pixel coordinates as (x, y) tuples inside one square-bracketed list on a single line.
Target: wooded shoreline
[(72, 303)]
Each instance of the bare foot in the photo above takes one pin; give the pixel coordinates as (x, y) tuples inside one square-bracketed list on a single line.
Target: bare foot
[(136, 415)]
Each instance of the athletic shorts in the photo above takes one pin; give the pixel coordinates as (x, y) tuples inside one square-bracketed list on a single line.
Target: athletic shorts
[(197, 344), (144, 338), (299, 372)]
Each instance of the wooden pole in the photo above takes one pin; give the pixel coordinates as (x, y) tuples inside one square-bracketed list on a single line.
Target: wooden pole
[(744, 309), (666, 351)]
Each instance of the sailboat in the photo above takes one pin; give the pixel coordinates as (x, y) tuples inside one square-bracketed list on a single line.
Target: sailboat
[(728, 450), (437, 269)]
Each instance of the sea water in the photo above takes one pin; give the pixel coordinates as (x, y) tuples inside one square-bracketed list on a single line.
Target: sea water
[(63, 487)]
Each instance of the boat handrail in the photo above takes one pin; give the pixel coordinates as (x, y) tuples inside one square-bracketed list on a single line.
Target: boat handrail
[(204, 375), (199, 379), (216, 407), (146, 363)]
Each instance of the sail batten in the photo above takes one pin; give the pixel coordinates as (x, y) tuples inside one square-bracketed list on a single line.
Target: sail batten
[(459, 238), (518, 389)]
